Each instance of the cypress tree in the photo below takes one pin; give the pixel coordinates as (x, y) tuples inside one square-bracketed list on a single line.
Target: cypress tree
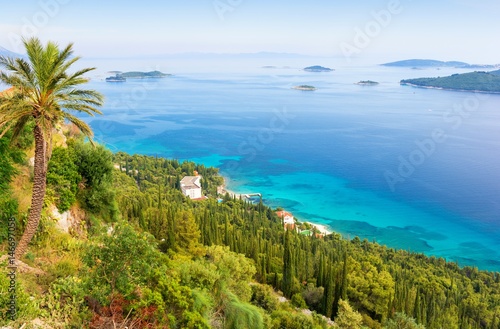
[(417, 312), (288, 270), (343, 286), (329, 294)]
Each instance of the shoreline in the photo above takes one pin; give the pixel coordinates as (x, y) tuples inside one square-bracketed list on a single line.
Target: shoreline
[(449, 89), (322, 228), (222, 189)]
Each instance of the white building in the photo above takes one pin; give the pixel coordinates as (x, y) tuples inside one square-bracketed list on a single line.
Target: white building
[(191, 186), (288, 220)]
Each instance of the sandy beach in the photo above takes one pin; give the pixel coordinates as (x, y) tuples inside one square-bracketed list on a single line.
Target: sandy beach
[(223, 190), (322, 228)]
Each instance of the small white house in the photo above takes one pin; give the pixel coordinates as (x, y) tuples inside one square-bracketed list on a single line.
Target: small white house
[(191, 186)]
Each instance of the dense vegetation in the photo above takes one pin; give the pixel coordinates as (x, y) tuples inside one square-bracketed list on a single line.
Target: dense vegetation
[(144, 255), (474, 81)]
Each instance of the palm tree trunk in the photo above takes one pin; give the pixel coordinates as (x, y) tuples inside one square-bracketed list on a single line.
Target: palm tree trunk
[(39, 184)]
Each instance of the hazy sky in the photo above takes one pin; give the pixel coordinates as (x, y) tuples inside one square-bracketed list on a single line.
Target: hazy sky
[(464, 30)]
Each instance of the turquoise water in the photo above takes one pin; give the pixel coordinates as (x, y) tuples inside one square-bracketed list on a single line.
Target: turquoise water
[(410, 168)]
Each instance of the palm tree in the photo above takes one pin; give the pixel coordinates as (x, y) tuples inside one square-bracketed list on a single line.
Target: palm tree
[(43, 93)]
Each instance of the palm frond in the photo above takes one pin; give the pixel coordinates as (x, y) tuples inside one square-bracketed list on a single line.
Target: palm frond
[(44, 90), (4, 130), (18, 127), (84, 127)]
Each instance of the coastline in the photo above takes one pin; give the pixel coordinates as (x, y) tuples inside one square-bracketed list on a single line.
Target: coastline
[(322, 228), (449, 89)]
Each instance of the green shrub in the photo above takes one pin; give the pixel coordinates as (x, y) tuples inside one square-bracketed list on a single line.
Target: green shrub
[(298, 301), (120, 262), (263, 296), (27, 307), (65, 304), (284, 319), (63, 177)]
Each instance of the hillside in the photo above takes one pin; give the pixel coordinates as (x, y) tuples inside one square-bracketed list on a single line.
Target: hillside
[(475, 81), (422, 63), (140, 254)]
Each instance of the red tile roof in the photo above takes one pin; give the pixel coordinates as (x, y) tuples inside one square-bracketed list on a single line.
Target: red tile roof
[(283, 214)]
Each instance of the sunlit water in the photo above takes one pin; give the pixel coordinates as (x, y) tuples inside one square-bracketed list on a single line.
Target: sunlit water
[(410, 168)]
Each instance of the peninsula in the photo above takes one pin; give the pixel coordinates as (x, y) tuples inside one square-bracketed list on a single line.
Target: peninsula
[(488, 82), (420, 63), (317, 68)]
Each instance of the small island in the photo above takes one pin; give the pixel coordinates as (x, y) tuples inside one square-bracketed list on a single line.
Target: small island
[(118, 77), (487, 82), (367, 83), (317, 68), (305, 88), (144, 75)]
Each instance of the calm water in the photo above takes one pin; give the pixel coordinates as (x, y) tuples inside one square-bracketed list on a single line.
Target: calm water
[(411, 168)]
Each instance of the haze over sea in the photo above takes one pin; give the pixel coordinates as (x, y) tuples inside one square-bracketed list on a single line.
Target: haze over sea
[(410, 168)]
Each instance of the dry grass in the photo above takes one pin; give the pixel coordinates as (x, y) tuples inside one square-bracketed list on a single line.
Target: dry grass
[(21, 188)]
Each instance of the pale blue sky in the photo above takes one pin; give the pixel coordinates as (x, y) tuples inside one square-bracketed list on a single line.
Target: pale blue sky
[(448, 30)]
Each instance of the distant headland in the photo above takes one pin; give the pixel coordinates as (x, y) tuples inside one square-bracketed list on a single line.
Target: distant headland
[(421, 63), (317, 68), (144, 75), (122, 77), (487, 82)]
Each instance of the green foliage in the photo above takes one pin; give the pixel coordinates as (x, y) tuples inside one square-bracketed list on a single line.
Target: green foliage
[(65, 302), (214, 252), (241, 315), (474, 81), (313, 296), (263, 297), (377, 281), (8, 205), (370, 288), (348, 318), (187, 234), (402, 321), (298, 301), (63, 177), (27, 307), (95, 166), (235, 269), (285, 319), (120, 262)]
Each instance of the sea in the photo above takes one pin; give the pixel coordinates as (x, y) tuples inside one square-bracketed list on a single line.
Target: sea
[(411, 168)]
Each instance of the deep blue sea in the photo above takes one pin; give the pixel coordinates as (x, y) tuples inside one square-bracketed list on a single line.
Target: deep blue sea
[(416, 169)]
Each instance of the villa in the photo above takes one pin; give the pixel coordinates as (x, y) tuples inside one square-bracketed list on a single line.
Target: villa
[(191, 187), (288, 220)]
